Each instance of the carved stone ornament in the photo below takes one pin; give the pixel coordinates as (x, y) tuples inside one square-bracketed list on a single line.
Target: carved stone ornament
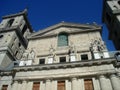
[(72, 48), (97, 45), (25, 55), (31, 55)]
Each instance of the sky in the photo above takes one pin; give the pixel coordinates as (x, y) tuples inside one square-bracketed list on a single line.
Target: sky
[(44, 13)]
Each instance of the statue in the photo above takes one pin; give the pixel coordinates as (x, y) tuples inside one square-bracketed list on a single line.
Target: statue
[(31, 55), (52, 52), (97, 45), (72, 48), (25, 54)]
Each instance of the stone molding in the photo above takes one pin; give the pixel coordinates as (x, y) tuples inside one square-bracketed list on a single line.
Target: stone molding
[(64, 65)]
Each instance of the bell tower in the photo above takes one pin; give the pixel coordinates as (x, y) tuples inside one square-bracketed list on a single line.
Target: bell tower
[(111, 17), (14, 30)]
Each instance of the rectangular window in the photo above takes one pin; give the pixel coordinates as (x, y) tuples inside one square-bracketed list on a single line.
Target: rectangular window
[(42, 61), (36, 86), (62, 59), (88, 84), (84, 57), (16, 64), (63, 39), (4, 87), (61, 85)]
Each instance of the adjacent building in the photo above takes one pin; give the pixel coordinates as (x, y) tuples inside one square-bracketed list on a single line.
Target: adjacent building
[(111, 17), (65, 56)]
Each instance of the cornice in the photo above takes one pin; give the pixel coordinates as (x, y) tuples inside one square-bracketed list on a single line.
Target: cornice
[(66, 24), (65, 65), (54, 35)]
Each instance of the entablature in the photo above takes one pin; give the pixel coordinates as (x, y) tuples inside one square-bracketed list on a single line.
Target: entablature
[(65, 65)]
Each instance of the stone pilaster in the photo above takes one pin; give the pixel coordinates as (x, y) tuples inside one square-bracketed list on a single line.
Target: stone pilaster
[(42, 85), (15, 85), (81, 84), (19, 85), (115, 82), (74, 83), (67, 85), (29, 85), (54, 85), (24, 85), (48, 84), (103, 82)]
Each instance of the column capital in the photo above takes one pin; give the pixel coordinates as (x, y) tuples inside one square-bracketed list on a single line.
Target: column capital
[(24, 81), (112, 75), (48, 80), (73, 78), (15, 81), (101, 76)]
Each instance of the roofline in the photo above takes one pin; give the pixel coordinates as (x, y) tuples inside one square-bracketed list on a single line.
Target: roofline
[(52, 35), (65, 24), (24, 13)]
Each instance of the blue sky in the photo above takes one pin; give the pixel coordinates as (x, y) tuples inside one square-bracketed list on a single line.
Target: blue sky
[(44, 13)]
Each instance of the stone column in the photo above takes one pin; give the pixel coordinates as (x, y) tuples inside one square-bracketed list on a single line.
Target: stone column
[(67, 85), (19, 85), (48, 86), (42, 85), (15, 85), (115, 82), (54, 85), (102, 82), (81, 84), (24, 84), (29, 85), (74, 84)]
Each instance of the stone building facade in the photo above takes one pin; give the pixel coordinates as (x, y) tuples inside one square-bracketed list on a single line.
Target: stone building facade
[(65, 56), (111, 17)]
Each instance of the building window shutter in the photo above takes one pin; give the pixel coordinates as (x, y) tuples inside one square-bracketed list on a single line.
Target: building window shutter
[(36, 86), (88, 84), (63, 40), (4, 87), (61, 85)]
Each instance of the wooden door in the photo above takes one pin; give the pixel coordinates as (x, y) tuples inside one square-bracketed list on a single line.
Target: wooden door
[(61, 85), (4, 87), (88, 84), (36, 86)]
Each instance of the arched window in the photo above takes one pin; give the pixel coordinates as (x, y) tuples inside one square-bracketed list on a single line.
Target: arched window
[(10, 22), (62, 39)]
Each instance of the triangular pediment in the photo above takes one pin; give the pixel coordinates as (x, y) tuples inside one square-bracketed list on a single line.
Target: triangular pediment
[(65, 27)]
